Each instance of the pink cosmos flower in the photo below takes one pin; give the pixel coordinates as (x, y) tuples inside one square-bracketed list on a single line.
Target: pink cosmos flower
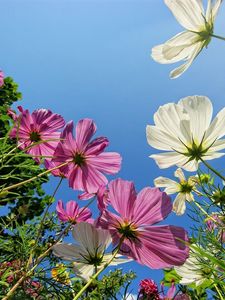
[(1, 78), (154, 246), (72, 213), (37, 132), (86, 160)]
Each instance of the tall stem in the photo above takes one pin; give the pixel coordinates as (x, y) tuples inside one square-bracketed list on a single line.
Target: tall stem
[(212, 169), (33, 178), (42, 256), (218, 37), (99, 272), (43, 219)]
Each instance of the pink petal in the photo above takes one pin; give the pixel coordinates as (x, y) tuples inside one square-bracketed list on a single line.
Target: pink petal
[(61, 212), (151, 206), (96, 146), (67, 130), (161, 248), (72, 209), (85, 129), (122, 196), (92, 179), (108, 162)]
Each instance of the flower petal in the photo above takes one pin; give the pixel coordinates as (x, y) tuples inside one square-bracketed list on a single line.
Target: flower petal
[(188, 13), (179, 205), (199, 109), (107, 162), (170, 185), (193, 54), (85, 129), (151, 206), (122, 196), (175, 49), (217, 129), (168, 159)]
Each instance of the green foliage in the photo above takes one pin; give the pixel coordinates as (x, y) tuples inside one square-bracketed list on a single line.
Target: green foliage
[(29, 200), (108, 287)]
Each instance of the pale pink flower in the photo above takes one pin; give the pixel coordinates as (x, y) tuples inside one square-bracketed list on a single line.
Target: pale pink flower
[(37, 132), (72, 213), (86, 160), (1, 78), (154, 246)]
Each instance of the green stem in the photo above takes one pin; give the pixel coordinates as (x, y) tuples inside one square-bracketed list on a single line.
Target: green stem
[(37, 262), (43, 219), (42, 256), (218, 37), (33, 178), (99, 272), (218, 291), (212, 169)]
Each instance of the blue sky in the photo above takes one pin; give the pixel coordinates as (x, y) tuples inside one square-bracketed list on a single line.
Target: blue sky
[(92, 59)]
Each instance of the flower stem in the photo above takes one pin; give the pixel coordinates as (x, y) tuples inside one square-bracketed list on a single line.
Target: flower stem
[(33, 178), (218, 37), (218, 291), (212, 169), (99, 271), (37, 262), (43, 219), (42, 256)]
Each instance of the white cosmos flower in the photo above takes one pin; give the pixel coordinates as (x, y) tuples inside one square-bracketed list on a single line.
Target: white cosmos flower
[(185, 46), (184, 189), (89, 255), (196, 269), (186, 132)]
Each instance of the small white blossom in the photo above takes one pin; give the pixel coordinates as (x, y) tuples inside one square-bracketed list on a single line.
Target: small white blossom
[(185, 46), (184, 188)]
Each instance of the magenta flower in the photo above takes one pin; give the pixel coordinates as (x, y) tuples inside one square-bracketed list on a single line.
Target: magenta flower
[(72, 213), (154, 246), (37, 133), (148, 289), (1, 78), (86, 160)]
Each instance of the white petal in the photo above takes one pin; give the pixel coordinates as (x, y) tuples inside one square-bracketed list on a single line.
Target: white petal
[(215, 9), (68, 252), (162, 140), (217, 129), (176, 49), (168, 159), (180, 70), (189, 197), (190, 166), (91, 238), (218, 145), (172, 119), (117, 260), (83, 270), (212, 155), (188, 13), (179, 205), (170, 185), (180, 174), (199, 109)]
